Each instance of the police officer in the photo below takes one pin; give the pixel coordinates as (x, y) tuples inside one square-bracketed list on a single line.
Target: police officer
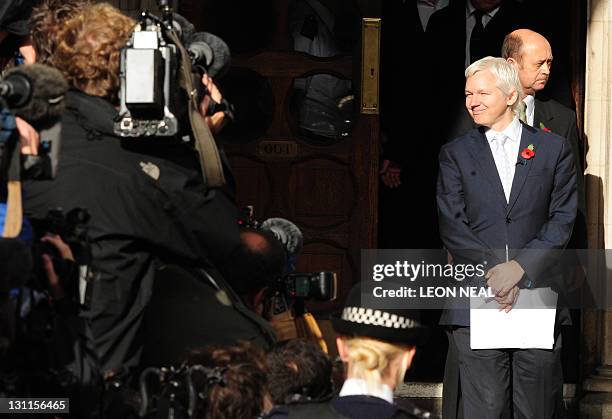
[(377, 347)]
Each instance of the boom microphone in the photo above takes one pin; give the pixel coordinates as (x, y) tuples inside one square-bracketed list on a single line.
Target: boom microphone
[(205, 48), (210, 50), (35, 93)]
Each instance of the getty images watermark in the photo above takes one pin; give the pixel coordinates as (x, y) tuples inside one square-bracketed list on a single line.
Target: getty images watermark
[(434, 279), (407, 271)]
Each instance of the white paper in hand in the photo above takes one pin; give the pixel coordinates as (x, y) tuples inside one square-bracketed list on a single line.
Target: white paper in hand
[(529, 325)]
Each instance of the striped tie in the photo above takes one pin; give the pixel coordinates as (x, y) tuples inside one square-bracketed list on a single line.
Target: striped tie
[(505, 172)]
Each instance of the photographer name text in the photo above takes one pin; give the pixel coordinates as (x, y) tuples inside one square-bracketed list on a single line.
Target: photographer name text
[(433, 292)]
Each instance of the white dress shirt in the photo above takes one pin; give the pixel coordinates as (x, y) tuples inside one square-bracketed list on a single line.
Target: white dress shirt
[(470, 22), (510, 152), (530, 109), (358, 387)]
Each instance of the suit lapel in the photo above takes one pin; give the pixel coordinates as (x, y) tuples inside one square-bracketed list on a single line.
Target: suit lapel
[(541, 114), (522, 169), (481, 153)]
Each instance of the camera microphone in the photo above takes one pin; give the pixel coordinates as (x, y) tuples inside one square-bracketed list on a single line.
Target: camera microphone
[(35, 93), (16, 91), (286, 232), (205, 49), (201, 52), (210, 51)]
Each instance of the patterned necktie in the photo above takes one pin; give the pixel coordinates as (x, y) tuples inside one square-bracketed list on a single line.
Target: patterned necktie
[(477, 37), (522, 109), (505, 173)]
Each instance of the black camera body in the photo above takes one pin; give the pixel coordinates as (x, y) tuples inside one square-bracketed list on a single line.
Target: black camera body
[(72, 228), (320, 286), (177, 392)]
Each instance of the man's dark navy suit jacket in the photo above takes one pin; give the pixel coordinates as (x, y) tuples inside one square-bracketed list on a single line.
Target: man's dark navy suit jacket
[(476, 222)]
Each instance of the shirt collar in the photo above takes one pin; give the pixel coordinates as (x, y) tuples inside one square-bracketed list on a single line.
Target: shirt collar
[(439, 4), (471, 9), (358, 387), (529, 101), (512, 131)]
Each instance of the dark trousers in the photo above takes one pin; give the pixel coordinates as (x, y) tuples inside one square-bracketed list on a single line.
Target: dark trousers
[(509, 383), (452, 404)]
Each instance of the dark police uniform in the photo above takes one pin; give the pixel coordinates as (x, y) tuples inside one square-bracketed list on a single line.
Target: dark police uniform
[(349, 407)]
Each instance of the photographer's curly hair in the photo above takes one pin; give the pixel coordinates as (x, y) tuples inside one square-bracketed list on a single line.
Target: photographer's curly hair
[(47, 20), (89, 48)]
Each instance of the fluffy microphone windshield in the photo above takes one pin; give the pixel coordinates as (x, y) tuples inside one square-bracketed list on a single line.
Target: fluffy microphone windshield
[(209, 49), (286, 232), (219, 62), (48, 87)]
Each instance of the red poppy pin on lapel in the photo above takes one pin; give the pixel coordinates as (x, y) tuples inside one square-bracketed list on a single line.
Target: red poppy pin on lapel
[(543, 128), (529, 152)]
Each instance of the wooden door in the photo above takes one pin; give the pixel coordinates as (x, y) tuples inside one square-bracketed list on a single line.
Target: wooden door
[(326, 184)]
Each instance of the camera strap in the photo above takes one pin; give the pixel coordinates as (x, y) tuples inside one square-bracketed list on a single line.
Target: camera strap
[(14, 211), (212, 168)]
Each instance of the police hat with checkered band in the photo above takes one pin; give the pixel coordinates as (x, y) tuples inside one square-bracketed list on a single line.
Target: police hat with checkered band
[(393, 326)]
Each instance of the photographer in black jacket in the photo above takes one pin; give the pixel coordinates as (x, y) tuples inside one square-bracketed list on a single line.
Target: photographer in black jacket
[(14, 31), (148, 204)]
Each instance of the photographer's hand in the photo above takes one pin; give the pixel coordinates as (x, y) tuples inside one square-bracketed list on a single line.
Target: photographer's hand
[(55, 287), (217, 120), (57, 242), (27, 51), (28, 137)]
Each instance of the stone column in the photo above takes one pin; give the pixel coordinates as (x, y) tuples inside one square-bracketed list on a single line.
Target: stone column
[(597, 323)]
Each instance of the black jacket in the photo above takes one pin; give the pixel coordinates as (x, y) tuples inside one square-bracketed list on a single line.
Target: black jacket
[(148, 208), (349, 407)]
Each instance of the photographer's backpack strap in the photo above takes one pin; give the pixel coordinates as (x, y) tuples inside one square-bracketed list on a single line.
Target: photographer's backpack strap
[(212, 169), (14, 211)]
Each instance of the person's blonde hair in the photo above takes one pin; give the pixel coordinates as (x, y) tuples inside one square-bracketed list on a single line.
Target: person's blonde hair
[(370, 359)]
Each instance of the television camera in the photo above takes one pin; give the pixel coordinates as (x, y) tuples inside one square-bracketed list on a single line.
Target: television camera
[(151, 103)]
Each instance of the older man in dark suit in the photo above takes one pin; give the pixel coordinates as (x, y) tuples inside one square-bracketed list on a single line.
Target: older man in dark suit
[(530, 53), (513, 216)]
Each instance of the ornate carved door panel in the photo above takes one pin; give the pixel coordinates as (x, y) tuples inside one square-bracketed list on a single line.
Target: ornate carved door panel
[(303, 147)]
